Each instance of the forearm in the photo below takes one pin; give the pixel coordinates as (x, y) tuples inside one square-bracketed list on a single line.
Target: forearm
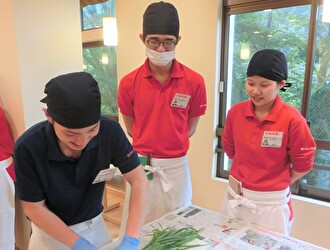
[(192, 125), (136, 212), (48, 222), (296, 175), (128, 124)]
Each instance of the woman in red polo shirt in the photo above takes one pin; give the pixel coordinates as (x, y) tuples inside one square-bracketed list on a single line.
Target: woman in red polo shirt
[(274, 149)]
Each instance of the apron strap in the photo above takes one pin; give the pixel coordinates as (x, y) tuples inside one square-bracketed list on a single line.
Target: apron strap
[(166, 183), (239, 200)]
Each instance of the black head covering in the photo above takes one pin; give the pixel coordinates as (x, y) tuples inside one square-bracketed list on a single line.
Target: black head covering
[(73, 100), (270, 64), (161, 18)]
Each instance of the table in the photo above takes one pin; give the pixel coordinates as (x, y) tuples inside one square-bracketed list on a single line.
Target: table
[(221, 232)]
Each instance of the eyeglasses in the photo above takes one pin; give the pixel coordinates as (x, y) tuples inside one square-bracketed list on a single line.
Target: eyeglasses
[(168, 44)]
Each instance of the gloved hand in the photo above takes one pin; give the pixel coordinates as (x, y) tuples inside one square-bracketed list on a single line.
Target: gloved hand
[(83, 244), (129, 243)]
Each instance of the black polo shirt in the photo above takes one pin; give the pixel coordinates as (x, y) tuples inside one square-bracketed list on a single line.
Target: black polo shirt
[(45, 173)]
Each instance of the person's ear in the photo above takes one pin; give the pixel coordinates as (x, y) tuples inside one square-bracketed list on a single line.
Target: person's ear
[(281, 84), (179, 38), (48, 117), (142, 38)]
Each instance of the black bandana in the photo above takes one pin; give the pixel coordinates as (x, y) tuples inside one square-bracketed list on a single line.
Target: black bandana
[(161, 18), (270, 64), (73, 100)]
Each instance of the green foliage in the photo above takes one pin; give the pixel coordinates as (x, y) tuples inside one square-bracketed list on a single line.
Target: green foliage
[(105, 74), (274, 29), (319, 108)]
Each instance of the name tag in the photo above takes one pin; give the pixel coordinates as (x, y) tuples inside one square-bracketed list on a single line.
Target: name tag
[(272, 139), (180, 100), (105, 175)]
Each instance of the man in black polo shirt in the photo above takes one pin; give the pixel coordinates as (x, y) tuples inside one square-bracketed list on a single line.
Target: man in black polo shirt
[(61, 165)]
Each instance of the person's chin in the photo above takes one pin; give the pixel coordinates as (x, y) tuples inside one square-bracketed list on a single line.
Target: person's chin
[(257, 101), (77, 147)]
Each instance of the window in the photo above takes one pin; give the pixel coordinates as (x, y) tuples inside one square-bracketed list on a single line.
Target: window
[(99, 60), (295, 28)]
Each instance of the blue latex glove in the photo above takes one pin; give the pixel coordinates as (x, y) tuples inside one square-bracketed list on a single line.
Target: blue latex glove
[(129, 243), (83, 244)]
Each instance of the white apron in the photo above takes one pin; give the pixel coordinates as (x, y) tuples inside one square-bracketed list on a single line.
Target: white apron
[(94, 230), (266, 209), (7, 207), (170, 187)]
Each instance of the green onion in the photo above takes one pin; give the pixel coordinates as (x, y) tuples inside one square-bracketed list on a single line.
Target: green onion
[(172, 238)]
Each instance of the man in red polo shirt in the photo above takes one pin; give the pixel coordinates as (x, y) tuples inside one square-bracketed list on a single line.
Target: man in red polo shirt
[(161, 103), (7, 178)]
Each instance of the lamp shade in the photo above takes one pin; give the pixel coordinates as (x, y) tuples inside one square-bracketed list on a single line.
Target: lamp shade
[(110, 33)]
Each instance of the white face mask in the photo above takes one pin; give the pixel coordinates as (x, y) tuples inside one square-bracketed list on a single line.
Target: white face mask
[(160, 58)]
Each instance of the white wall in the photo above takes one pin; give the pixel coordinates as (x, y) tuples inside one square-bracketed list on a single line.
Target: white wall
[(48, 37)]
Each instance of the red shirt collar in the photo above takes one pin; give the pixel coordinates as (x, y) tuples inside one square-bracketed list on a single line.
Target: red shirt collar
[(273, 114)]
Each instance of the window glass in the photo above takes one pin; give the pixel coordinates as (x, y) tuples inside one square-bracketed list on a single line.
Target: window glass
[(99, 60), (285, 29), (319, 109), (101, 63), (320, 175), (92, 14)]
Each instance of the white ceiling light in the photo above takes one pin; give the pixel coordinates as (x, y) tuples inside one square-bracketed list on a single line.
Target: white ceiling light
[(110, 33)]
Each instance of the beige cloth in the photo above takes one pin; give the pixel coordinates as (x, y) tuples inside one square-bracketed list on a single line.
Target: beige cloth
[(266, 209), (170, 187), (94, 230), (7, 207)]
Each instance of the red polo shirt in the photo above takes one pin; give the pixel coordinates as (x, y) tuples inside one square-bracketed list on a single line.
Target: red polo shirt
[(6, 143), (263, 151), (161, 111)]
